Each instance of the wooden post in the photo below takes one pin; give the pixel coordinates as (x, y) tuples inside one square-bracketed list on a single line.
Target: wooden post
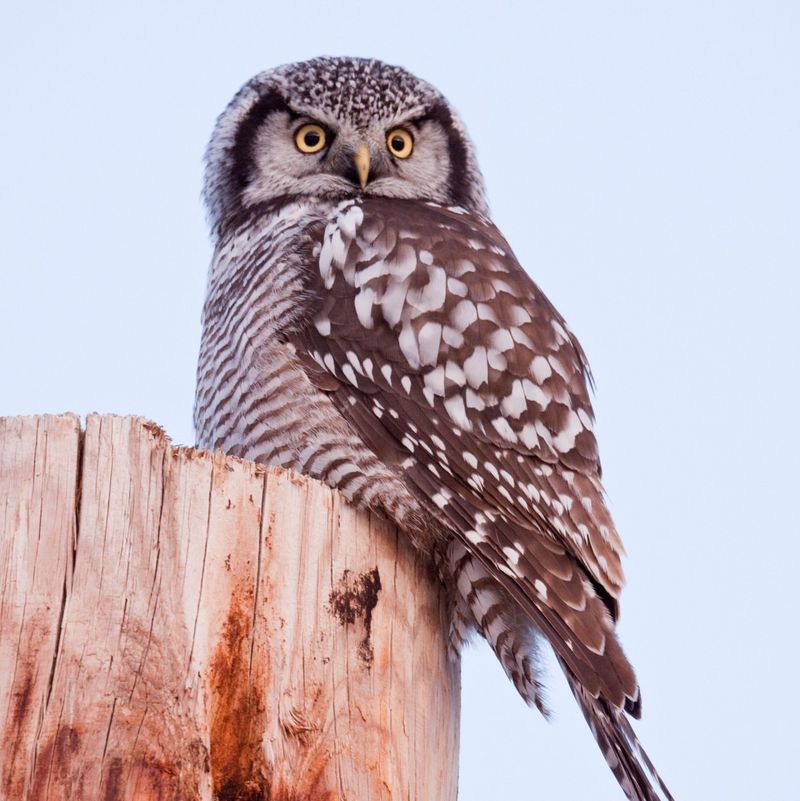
[(181, 625)]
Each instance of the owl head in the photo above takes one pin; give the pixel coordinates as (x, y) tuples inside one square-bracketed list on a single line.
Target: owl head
[(338, 128)]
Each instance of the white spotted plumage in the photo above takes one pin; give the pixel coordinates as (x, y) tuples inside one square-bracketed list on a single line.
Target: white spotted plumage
[(373, 329)]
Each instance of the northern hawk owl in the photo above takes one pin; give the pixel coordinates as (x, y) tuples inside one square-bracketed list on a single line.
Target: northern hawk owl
[(367, 324)]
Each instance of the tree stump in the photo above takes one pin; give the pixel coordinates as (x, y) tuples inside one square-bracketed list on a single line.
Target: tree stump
[(181, 625)]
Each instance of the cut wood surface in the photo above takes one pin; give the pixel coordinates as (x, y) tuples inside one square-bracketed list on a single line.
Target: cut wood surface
[(181, 625)]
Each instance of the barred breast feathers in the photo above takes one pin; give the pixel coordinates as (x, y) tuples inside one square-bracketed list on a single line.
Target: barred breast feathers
[(254, 399)]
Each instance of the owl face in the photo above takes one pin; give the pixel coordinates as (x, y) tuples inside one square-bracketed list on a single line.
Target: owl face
[(319, 152), (338, 128)]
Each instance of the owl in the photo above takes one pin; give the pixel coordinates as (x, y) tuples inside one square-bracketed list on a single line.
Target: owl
[(366, 324)]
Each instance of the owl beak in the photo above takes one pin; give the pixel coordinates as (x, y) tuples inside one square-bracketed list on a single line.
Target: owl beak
[(362, 160)]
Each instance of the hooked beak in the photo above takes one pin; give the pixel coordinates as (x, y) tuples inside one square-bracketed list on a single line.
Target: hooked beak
[(361, 159)]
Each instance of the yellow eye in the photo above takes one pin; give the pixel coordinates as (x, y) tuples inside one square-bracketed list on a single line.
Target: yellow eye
[(310, 138), (400, 142)]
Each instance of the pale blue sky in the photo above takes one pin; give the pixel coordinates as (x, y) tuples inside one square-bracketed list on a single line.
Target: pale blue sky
[(643, 160)]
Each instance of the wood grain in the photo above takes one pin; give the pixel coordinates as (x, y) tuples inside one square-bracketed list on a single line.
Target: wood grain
[(181, 625)]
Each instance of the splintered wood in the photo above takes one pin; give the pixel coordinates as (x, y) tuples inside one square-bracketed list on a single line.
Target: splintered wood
[(176, 625)]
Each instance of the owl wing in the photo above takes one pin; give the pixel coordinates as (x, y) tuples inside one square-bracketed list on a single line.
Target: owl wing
[(449, 362)]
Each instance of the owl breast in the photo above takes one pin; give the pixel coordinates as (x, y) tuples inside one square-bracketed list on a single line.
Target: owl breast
[(258, 399)]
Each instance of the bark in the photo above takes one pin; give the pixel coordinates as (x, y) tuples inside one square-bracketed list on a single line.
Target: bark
[(181, 625)]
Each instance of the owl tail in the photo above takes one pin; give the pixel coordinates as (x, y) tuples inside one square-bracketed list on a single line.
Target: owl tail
[(620, 746), (482, 604)]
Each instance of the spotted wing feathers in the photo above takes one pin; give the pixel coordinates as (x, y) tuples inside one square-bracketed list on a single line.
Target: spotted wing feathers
[(451, 363), (434, 310)]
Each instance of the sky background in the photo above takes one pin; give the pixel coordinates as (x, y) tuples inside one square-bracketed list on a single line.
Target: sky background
[(643, 159)]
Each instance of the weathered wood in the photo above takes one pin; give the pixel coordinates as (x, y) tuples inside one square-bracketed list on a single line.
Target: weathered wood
[(177, 625)]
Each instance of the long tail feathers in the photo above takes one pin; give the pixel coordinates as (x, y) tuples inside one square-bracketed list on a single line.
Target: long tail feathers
[(482, 604), (623, 752)]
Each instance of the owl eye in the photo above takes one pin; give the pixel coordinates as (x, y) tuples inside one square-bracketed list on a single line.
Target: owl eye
[(310, 138), (400, 143)]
